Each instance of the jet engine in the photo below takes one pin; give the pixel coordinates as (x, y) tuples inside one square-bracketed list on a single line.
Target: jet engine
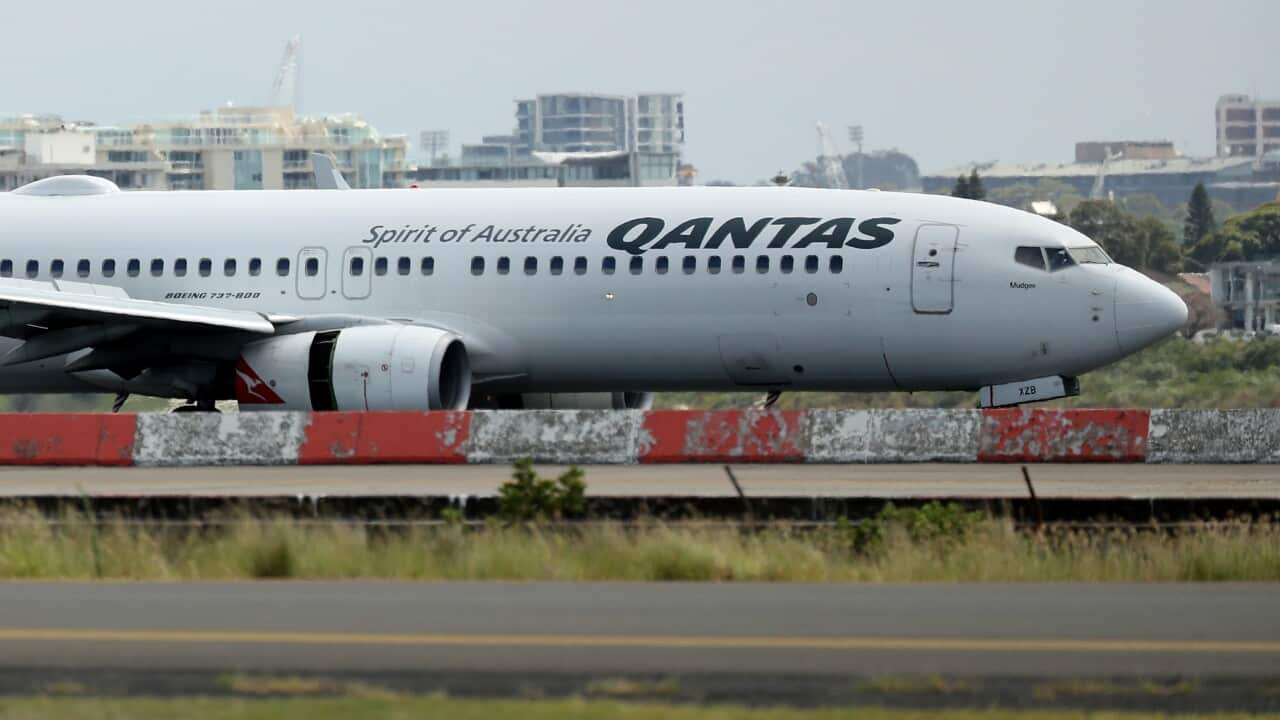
[(576, 401), (379, 367)]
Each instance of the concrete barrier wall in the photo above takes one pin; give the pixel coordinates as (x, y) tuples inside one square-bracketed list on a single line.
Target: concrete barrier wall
[(634, 436)]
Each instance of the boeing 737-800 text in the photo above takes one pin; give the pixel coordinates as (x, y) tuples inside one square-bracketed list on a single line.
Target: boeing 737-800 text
[(564, 297)]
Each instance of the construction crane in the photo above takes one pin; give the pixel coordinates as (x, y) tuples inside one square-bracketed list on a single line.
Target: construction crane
[(830, 165), (1098, 191), (286, 88)]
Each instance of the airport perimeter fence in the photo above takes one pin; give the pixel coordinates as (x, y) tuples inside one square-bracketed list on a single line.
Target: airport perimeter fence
[(656, 436)]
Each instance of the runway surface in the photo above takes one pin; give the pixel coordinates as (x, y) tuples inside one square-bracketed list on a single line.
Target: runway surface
[(513, 629), (887, 481)]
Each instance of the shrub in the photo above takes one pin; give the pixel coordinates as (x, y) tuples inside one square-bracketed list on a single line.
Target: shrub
[(527, 497)]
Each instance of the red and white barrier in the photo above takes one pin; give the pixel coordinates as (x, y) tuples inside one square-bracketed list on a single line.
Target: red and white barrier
[(655, 436)]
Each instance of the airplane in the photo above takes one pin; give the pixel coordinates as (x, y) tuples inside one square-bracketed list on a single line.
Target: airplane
[(447, 299)]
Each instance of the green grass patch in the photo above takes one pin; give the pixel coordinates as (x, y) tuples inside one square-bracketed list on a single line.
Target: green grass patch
[(1176, 373), (398, 707), (935, 543)]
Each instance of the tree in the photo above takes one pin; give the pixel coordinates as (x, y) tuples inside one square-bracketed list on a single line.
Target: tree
[(1200, 220), (976, 191), (961, 190), (1248, 236), (1145, 243)]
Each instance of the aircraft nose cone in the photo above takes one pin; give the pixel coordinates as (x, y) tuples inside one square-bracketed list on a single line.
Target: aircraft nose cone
[(1146, 311)]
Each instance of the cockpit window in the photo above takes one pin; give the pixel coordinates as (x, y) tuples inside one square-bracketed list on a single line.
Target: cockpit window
[(1029, 256), (1090, 255), (1059, 259)]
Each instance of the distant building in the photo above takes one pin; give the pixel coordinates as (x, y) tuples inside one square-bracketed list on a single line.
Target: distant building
[(589, 122), (231, 148), (1249, 292), (1096, 151), (576, 139), (540, 169), (1247, 127), (1171, 180)]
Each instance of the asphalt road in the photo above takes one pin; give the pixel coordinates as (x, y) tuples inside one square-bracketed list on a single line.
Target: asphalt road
[(745, 630), (888, 481)]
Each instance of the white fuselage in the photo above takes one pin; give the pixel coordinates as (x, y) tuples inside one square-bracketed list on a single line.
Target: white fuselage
[(928, 296)]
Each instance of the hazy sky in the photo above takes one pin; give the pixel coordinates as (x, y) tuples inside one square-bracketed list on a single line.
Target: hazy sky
[(948, 82)]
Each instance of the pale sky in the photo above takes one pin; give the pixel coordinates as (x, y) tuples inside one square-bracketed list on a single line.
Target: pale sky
[(947, 82)]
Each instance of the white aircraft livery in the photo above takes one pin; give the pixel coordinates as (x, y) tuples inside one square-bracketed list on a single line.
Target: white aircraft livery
[(339, 299)]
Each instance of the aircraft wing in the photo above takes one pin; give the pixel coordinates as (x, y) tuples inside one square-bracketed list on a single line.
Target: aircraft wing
[(59, 317)]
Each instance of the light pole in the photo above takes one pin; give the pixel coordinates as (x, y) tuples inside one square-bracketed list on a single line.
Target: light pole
[(855, 137)]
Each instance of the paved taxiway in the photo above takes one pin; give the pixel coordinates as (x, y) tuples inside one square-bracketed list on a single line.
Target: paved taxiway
[(1043, 630), (888, 481)]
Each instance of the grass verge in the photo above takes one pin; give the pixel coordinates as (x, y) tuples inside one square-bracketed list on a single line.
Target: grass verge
[(937, 543), (427, 707)]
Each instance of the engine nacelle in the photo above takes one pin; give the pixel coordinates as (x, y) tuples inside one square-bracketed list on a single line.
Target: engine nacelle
[(583, 401), (378, 367)]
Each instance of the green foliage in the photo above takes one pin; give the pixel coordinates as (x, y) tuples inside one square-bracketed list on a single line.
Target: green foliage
[(976, 190), (1248, 236), (1173, 374), (934, 523), (1020, 195), (1199, 220), (961, 189), (527, 497), (1138, 242)]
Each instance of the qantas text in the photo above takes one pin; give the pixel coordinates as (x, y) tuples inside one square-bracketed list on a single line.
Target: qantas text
[(651, 233)]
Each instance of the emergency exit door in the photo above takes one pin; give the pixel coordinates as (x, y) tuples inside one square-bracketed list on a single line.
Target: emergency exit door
[(933, 269)]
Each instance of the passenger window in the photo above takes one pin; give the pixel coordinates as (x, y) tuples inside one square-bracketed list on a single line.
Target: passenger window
[(403, 266), (637, 265), (180, 267), (836, 265), (157, 267), (504, 265), (428, 265), (311, 268), (33, 268), (739, 264), (557, 265), (531, 266), (713, 264), (255, 267), (477, 266), (607, 266), (661, 265), (108, 268), (357, 266), (134, 267), (690, 265), (762, 264), (580, 266), (229, 267), (1029, 256), (6, 268), (787, 264), (55, 268), (82, 268), (1059, 259), (282, 267), (206, 267), (380, 266), (811, 264)]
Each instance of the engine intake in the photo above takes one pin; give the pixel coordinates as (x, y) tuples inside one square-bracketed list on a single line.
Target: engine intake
[(379, 367)]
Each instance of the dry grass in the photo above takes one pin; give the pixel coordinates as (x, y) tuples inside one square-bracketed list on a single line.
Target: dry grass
[(896, 550)]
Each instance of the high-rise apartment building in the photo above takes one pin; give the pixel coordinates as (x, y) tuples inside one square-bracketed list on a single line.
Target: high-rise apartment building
[(1247, 127), (589, 122)]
